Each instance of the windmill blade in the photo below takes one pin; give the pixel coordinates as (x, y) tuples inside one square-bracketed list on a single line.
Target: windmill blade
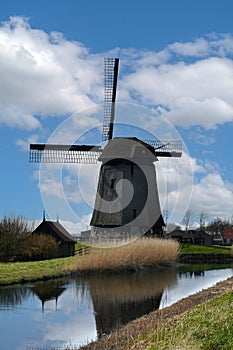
[(50, 153), (166, 148), (110, 74)]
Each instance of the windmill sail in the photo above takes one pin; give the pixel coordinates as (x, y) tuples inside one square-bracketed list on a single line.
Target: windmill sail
[(124, 161), (110, 74), (166, 148), (89, 154), (42, 153)]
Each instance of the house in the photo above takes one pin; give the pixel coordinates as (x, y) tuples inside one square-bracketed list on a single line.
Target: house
[(193, 236), (228, 235), (181, 236), (201, 237), (65, 241)]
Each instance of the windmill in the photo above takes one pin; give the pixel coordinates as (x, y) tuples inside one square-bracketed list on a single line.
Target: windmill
[(127, 201)]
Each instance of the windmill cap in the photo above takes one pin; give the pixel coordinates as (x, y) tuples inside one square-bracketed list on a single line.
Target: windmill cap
[(128, 148)]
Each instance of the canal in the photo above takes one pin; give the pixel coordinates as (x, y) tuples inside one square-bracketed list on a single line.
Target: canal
[(77, 310)]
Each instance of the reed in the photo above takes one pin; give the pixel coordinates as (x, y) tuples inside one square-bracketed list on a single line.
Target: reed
[(140, 254)]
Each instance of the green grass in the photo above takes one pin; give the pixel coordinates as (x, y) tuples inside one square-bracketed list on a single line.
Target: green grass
[(17, 272), (200, 249), (208, 326), (138, 254)]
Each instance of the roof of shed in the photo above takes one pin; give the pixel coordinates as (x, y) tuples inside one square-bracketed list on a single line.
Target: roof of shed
[(55, 226)]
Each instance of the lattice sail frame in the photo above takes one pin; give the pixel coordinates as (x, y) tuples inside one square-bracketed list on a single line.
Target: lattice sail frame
[(41, 153), (166, 148), (110, 83), (89, 154)]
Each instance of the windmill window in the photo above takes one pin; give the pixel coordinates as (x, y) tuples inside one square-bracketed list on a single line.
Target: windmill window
[(132, 170), (113, 183)]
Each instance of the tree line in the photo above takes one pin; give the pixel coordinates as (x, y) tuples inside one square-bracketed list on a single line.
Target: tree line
[(213, 226)]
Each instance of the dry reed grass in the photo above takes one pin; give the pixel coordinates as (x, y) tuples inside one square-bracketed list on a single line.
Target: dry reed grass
[(123, 288), (142, 253)]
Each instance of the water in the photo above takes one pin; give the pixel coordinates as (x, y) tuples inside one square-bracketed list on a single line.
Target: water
[(74, 311)]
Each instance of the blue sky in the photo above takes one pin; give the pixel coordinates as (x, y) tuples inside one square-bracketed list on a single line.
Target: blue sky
[(175, 59)]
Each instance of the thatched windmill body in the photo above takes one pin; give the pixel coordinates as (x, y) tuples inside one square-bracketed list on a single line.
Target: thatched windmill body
[(127, 200)]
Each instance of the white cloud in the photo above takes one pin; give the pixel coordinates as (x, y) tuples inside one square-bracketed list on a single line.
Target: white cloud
[(52, 187), (191, 84), (207, 192), (23, 144), (75, 228), (213, 195), (202, 137), (197, 93), (199, 48), (43, 74), (210, 45), (208, 112)]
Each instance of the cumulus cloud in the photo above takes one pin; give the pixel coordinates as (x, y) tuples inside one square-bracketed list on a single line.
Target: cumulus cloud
[(214, 194), (188, 94), (75, 228), (200, 136), (211, 44), (190, 84), (43, 74), (191, 183), (23, 144)]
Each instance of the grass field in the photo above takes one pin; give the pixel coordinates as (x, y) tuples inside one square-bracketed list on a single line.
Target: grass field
[(135, 255), (208, 326), (18, 272), (200, 249)]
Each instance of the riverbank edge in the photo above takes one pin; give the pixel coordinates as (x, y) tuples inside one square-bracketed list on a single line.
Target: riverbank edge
[(187, 258), (69, 273), (126, 337), (200, 259)]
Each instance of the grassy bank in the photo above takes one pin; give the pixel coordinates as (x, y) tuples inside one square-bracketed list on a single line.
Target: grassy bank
[(201, 321), (18, 272), (208, 326), (201, 249), (136, 255), (132, 256)]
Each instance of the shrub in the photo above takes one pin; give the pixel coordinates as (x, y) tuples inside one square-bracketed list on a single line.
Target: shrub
[(12, 230), (38, 247), (16, 243)]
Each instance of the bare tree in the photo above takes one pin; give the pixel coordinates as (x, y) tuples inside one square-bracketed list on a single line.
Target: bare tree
[(12, 229), (202, 217), (187, 219)]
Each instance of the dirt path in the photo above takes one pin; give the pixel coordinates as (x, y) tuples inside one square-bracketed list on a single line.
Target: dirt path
[(121, 340)]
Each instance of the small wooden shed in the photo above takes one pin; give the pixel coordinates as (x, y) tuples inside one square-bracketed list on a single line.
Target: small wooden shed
[(65, 241), (201, 237)]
